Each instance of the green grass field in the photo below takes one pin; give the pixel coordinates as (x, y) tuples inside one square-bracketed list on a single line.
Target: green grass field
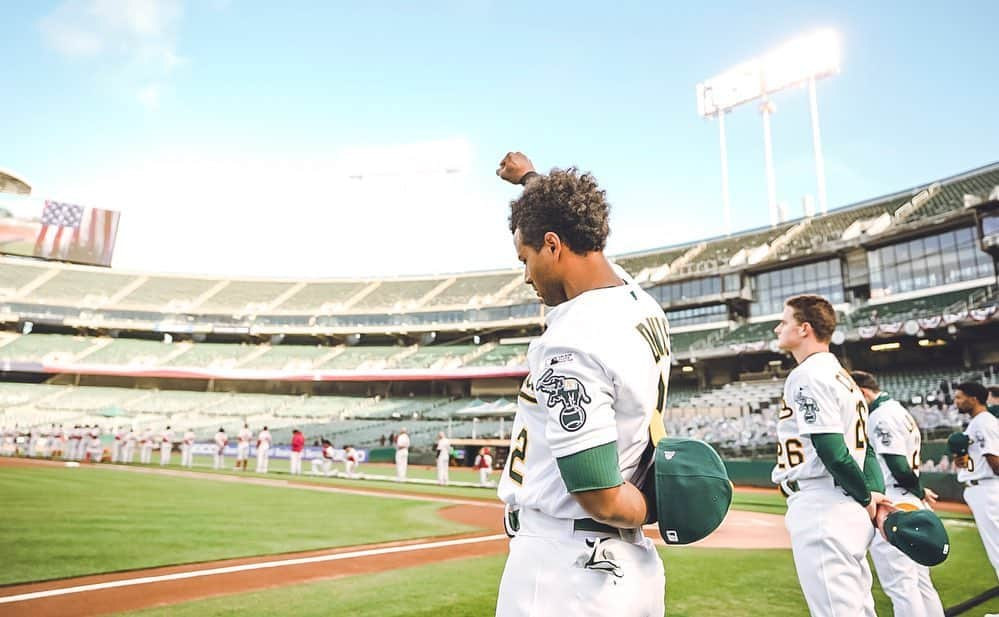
[(700, 583), (61, 522)]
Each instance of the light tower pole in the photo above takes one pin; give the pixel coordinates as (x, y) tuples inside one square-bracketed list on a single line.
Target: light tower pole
[(726, 206), (820, 165), (766, 108)]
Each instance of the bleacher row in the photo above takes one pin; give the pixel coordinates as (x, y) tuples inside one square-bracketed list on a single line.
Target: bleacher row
[(47, 284), (68, 349), (735, 415), (931, 311)]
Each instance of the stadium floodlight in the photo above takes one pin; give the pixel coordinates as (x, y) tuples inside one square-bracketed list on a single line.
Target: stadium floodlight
[(798, 62), (11, 183)]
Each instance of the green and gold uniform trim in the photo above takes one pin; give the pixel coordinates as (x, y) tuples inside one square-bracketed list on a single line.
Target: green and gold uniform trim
[(591, 469)]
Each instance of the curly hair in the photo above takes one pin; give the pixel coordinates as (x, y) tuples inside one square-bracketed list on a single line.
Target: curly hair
[(565, 202)]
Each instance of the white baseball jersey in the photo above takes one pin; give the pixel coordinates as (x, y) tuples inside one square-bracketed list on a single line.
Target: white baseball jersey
[(189, 437), (892, 430), (131, 436), (597, 375), (264, 439), (166, 436), (245, 435), (983, 430), (819, 397), (444, 448), (484, 461), (402, 442), (220, 439)]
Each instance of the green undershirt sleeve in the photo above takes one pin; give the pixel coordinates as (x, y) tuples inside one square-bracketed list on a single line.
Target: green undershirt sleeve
[(831, 448), (591, 469), (903, 475), (872, 471)]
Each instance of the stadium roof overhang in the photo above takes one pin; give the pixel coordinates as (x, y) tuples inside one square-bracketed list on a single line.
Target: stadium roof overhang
[(12, 183)]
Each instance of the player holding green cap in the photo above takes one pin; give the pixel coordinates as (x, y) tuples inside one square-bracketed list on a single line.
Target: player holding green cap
[(895, 437), (822, 457), (979, 468)]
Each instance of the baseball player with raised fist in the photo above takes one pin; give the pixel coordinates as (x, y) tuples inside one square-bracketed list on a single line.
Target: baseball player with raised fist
[(979, 468), (581, 436), (895, 437), (831, 478)]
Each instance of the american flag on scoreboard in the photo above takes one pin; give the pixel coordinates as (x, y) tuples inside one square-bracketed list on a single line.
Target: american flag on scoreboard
[(76, 233)]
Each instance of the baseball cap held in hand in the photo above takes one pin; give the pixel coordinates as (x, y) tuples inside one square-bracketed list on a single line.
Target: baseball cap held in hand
[(919, 534), (958, 443), (693, 492)]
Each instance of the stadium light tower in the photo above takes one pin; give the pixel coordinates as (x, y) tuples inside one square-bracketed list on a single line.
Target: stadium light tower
[(798, 62)]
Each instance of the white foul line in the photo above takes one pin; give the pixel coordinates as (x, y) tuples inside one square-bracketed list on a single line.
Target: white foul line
[(36, 595)]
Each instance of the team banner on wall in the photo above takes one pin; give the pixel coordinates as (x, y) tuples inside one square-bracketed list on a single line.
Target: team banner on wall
[(55, 230)]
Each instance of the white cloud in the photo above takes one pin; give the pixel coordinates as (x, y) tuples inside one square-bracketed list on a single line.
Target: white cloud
[(196, 209), (136, 38)]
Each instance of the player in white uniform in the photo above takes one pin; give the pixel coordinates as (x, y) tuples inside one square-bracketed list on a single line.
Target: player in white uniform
[(166, 446), (443, 448), (128, 452), (95, 451), (822, 458), (117, 444), (979, 469), (581, 436), (187, 449), (263, 450), (323, 464), (75, 437), (894, 435), (484, 463), (34, 434), (401, 455), (350, 461), (146, 452), (220, 441), (243, 446)]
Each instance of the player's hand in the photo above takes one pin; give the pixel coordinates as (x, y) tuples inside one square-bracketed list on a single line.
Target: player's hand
[(961, 461), (513, 167), (872, 507), (930, 497), (882, 511)]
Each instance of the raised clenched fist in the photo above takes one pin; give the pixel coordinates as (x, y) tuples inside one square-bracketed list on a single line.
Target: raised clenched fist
[(514, 166)]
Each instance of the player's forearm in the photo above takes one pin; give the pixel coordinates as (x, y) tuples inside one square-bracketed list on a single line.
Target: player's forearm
[(872, 472), (832, 450), (903, 475), (993, 463), (620, 506)]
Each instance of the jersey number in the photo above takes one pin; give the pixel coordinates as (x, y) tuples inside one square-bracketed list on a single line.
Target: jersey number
[(792, 451), (860, 428), (517, 457)]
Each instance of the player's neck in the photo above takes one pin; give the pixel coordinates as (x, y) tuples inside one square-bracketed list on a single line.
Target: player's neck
[(807, 349), (588, 272), (980, 410)]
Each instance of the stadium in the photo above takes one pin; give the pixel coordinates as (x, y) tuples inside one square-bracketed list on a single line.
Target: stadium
[(179, 439), (353, 361)]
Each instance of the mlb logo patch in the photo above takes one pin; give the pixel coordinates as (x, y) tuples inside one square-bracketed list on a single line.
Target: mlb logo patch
[(671, 536), (669, 454)]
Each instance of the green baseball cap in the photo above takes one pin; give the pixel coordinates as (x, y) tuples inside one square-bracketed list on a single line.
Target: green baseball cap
[(958, 443), (692, 489), (919, 534)]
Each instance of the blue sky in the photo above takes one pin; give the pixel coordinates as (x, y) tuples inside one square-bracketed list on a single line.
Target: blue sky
[(230, 133)]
